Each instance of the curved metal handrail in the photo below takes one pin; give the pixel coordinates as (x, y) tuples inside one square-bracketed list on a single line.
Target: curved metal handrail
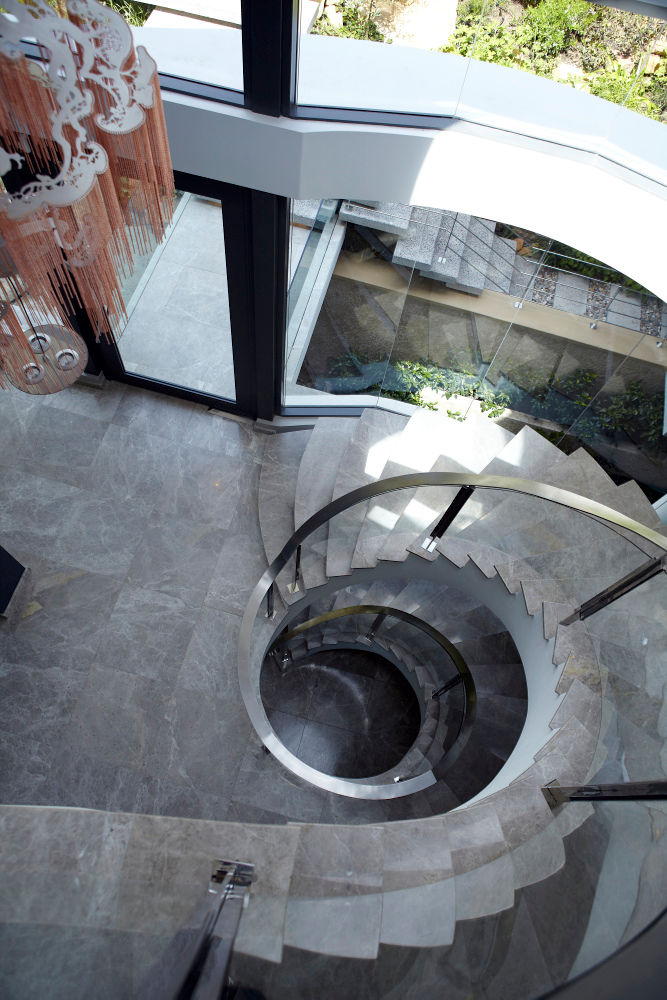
[(448, 647), (250, 686)]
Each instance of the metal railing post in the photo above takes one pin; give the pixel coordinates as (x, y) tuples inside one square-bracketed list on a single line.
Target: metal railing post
[(557, 795), (377, 622), (618, 589), (294, 587), (270, 609), (455, 507), (447, 686)]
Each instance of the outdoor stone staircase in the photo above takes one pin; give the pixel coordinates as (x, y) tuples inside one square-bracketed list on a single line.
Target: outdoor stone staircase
[(462, 251)]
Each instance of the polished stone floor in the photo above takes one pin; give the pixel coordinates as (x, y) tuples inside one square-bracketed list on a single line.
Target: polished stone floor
[(138, 516), (348, 713)]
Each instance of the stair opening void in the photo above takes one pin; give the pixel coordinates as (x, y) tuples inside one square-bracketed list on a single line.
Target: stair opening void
[(500, 596), (348, 712)]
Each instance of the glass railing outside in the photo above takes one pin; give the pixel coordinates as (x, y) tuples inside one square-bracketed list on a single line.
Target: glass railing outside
[(615, 55), (191, 39), (423, 307)]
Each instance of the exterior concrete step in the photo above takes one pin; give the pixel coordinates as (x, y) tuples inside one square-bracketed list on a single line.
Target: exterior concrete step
[(386, 216), (417, 246), (449, 248), (476, 254), (500, 269)]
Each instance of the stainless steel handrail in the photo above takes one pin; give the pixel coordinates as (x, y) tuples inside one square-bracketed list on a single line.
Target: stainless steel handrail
[(463, 670), (249, 673)]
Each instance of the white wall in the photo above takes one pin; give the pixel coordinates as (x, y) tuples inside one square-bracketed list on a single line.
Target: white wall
[(531, 152)]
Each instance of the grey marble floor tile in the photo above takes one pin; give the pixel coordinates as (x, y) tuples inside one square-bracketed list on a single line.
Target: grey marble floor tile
[(239, 566), (205, 742), (176, 557), (147, 633), (341, 700), (288, 728), (264, 783), (59, 444), (215, 431), (154, 413), (91, 781), (121, 717), (98, 534), (131, 463), (90, 401), (35, 704), (62, 624), (330, 749), (25, 766), (290, 691), (204, 485), (209, 666), (32, 507)]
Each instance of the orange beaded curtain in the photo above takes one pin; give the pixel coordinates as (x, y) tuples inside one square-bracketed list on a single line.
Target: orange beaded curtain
[(86, 182)]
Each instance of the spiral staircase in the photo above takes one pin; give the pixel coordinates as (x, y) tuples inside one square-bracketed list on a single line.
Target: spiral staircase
[(483, 888), (450, 873)]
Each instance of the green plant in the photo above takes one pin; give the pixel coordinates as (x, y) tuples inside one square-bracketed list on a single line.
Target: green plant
[(136, 14), (358, 22), (615, 84)]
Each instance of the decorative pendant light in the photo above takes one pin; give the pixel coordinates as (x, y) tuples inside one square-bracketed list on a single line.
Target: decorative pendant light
[(86, 184)]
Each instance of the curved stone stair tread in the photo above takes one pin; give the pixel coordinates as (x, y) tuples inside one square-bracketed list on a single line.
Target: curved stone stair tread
[(282, 456), (579, 473), (361, 464), (565, 754), (415, 450), (526, 456), (322, 455)]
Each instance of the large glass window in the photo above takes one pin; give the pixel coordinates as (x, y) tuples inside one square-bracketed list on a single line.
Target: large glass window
[(425, 307), (178, 328), (398, 55), (199, 41)]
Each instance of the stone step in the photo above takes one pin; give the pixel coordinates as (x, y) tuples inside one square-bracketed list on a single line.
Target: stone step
[(415, 450), (322, 455), (385, 216), (362, 463), (449, 248), (500, 269), (476, 254), (416, 247), (282, 456)]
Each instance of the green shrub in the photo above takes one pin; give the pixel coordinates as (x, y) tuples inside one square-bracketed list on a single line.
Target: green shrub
[(358, 22), (136, 14), (620, 87)]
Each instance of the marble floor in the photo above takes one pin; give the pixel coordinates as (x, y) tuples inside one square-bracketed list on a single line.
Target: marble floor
[(348, 713), (138, 517)]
